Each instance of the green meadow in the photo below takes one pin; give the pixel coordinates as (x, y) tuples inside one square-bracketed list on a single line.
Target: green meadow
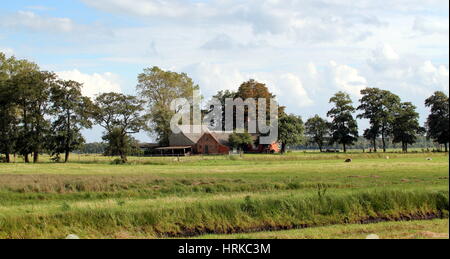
[(250, 196)]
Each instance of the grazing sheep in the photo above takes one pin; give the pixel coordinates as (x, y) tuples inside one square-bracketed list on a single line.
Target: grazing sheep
[(349, 160), (430, 159)]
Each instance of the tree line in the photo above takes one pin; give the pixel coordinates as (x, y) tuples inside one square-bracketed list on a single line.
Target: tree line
[(389, 118), (41, 113)]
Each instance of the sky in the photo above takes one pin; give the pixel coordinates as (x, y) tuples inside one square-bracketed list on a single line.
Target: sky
[(304, 50)]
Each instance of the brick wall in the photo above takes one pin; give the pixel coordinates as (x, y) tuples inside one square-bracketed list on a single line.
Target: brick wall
[(209, 145)]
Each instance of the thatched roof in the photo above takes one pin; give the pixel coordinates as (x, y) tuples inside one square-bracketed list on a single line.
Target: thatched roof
[(191, 134)]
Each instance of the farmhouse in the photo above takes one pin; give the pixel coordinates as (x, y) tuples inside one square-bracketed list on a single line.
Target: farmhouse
[(205, 141)]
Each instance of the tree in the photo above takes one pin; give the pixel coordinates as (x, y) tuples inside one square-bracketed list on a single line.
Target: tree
[(240, 140), (372, 134), (120, 144), (120, 115), (344, 128), (159, 88), (71, 112), (33, 90), (318, 130), (290, 131), (438, 121), (8, 118), (253, 89), (379, 107), (8, 122), (406, 125), (222, 96), (9, 108)]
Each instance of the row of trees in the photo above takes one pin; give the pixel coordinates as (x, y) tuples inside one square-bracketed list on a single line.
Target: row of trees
[(41, 113), (388, 116)]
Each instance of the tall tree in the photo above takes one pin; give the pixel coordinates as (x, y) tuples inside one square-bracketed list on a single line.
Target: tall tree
[(344, 128), (438, 121), (9, 96), (120, 115), (406, 125), (291, 130), (71, 111), (379, 107), (159, 88), (253, 89), (318, 130), (372, 134), (32, 89), (8, 121)]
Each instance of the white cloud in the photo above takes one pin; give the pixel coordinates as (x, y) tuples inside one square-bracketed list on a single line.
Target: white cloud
[(39, 8), (431, 26), (430, 75), (307, 20), (348, 78), (93, 84), (406, 74), (288, 87), (7, 51), (31, 21)]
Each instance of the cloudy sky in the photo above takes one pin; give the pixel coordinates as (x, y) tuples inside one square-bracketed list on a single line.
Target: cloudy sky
[(304, 50)]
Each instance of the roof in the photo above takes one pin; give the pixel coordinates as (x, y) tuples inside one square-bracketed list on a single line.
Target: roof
[(222, 137), (148, 145), (191, 134), (173, 148)]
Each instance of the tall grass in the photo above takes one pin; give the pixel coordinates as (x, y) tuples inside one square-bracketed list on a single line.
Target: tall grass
[(228, 216)]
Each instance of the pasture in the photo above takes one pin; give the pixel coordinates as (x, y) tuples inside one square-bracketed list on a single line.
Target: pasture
[(203, 195)]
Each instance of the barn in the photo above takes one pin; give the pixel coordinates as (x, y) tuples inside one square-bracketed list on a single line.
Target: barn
[(208, 142)]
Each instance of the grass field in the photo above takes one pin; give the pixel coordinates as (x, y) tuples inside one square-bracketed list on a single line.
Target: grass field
[(194, 196)]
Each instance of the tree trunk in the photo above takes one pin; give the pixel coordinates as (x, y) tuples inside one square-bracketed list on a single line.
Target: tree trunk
[(375, 145), (66, 157), (384, 142), (68, 137), (123, 157), (446, 147), (321, 149), (283, 148), (35, 157), (8, 158), (26, 158), (406, 147), (345, 148)]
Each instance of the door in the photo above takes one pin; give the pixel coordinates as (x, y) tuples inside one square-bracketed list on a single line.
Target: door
[(206, 149)]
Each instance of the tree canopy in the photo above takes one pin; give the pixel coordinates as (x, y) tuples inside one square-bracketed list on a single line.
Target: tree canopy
[(120, 115), (159, 88), (344, 128), (406, 126), (438, 121), (379, 107), (291, 129), (318, 130)]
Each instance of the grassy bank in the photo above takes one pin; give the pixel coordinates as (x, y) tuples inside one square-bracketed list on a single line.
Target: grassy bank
[(223, 215), (163, 197)]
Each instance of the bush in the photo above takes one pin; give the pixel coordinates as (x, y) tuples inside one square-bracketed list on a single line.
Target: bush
[(118, 161)]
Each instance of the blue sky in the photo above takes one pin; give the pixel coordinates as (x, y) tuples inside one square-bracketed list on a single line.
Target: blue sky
[(304, 50)]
